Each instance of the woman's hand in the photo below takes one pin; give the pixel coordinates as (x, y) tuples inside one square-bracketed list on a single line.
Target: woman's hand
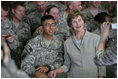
[(52, 74)]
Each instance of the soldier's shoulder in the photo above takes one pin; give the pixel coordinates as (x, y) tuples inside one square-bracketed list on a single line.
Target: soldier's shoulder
[(32, 42), (6, 23), (85, 11), (58, 41)]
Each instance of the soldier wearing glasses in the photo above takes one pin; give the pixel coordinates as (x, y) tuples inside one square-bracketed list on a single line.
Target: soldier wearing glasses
[(44, 52)]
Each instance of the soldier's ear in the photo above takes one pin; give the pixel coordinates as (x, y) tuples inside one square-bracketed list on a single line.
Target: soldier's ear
[(41, 28), (70, 6), (46, 13), (13, 11)]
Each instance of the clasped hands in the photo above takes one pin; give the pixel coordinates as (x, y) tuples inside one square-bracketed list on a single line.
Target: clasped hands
[(41, 71)]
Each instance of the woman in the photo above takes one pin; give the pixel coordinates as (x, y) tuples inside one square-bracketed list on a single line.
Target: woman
[(79, 51)]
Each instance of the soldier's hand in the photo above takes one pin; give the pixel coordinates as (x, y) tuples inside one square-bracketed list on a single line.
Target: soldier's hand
[(40, 75), (10, 38), (105, 30), (43, 69)]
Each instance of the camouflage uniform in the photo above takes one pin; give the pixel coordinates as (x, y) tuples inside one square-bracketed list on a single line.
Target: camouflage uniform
[(60, 32), (9, 70), (36, 53), (34, 20), (23, 33), (63, 27), (112, 13), (30, 8), (59, 5), (6, 28), (90, 24)]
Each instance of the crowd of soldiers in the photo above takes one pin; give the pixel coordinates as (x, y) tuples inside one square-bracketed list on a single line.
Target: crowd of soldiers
[(32, 46)]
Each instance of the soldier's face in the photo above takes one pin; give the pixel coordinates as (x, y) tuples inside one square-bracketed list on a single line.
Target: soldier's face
[(3, 14), (19, 12), (55, 13), (41, 5), (78, 24), (95, 4), (49, 27), (77, 5)]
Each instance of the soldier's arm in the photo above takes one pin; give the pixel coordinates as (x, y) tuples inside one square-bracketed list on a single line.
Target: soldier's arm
[(27, 61), (15, 42), (101, 69), (107, 57), (59, 59)]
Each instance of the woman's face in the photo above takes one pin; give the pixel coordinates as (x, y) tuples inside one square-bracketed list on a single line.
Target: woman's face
[(55, 13), (78, 24)]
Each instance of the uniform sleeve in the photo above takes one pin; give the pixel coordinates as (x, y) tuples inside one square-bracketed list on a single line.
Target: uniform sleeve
[(59, 59), (67, 61), (107, 57), (27, 62), (101, 69), (15, 43)]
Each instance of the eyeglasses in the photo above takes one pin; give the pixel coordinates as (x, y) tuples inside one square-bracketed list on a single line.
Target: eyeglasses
[(53, 25)]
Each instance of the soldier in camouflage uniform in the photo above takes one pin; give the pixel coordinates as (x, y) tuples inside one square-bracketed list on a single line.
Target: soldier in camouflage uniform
[(107, 56), (60, 31), (8, 67), (44, 52), (104, 17), (6, 28), (90, 13), (34, 18), (22, 29), (58, 4), (110, 41), (30, 7)]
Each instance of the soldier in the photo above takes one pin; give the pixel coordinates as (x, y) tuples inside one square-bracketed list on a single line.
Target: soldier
[(8, 67), (7, 32), (22, 29), (58, 4), (30, 7), (44, 52), (110, 41), (60, 31), (106, 57), (90, 12), (34, 18)]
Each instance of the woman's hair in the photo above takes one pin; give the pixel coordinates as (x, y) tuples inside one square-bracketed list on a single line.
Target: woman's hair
[(73, 14), (101, 17), (49, 7)]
